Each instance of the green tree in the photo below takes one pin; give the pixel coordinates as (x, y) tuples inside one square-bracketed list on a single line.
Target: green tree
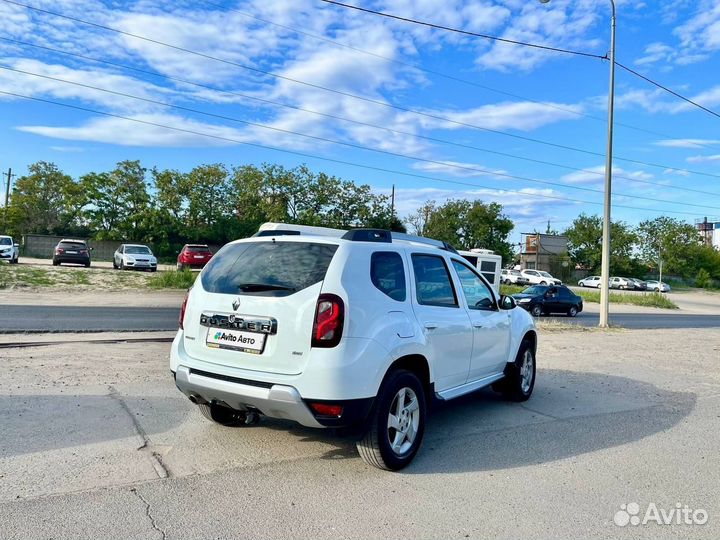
[(45, 201), (118, 201), (673, 241), (585, 245), (470, 224), (418, 220)]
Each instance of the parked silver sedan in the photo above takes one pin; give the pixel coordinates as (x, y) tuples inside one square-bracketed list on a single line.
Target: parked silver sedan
[(659, 286)]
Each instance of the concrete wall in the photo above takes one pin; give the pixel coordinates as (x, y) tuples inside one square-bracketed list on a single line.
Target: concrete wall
[(42, 246)]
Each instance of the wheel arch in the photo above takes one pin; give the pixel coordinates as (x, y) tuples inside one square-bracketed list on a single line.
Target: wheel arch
[(417, 364), (531, 336)]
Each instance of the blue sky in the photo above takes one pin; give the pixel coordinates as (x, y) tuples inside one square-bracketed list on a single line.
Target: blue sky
[(552, 97)]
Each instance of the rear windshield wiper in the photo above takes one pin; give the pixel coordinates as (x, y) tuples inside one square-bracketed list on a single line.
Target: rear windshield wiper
[(257, 287)]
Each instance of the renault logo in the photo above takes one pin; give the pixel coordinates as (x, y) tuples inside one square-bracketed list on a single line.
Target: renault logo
[(236, 304)]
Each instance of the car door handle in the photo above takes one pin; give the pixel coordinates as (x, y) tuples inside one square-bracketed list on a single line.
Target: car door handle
[(477, 325), (431, 325)]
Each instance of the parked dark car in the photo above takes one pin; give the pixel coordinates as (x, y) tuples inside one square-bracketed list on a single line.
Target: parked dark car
[(71, 251), (547, 299), (194, 256), (640, 285)]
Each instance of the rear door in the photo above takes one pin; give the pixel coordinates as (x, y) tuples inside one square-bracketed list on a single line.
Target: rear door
[(491, 326), (253, 306), (446, 324)]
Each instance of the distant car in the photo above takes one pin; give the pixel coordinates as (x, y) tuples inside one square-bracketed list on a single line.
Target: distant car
[(9, 250), (193, 256), (71, 251), (547, 299), (513, 277), (134, 256), (539, 277), (639, 284), (591, 281), (654, 285), (621, 283)]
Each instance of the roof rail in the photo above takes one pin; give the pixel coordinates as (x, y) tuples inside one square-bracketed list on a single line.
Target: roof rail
[(423, 240), (277, 232)]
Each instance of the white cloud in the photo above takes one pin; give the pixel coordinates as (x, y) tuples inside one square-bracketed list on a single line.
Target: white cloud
[(129, 133), (595, 175), (458, 169), (656, 52), (704, 159), (686, 143)]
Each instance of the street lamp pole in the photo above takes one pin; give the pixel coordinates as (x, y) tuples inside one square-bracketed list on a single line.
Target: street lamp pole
[(605, 262)]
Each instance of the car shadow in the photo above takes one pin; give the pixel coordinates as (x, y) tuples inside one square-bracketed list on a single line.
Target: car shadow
[(570, 413)]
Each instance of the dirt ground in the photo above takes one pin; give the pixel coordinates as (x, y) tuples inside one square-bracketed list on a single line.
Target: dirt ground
[(98, 442)]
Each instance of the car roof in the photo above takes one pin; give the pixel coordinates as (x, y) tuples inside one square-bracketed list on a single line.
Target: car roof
[(135, 245), (72, 240)]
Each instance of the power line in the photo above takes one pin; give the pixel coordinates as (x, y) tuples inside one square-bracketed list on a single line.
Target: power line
[(647, 79), (468, 33), (358, 122), (331, 160), (440, 73), (355, 96), (347, 144), (522, 43)]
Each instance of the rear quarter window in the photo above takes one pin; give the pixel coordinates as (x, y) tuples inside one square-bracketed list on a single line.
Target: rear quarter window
[(387, 273), (288, 266)]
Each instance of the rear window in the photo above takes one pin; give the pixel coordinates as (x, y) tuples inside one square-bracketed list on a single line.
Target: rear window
[(387, 273), (72, 245), (267, 268), (197, 249)]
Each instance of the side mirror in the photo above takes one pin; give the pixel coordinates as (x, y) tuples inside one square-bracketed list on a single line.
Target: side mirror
[(92, 249), (16, 245), (507, 302)]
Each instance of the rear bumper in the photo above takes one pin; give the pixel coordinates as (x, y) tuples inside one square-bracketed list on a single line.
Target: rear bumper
[(76, 259), (276, 401)]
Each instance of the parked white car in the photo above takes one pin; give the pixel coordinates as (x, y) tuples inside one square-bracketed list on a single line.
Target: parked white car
[(654, 285), (622, 283), (9, 250), (513, 277), (360, 329), (134, 256), (591, 281), (539, 277)]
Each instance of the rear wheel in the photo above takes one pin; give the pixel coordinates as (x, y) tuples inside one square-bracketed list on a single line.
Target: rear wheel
[(225, 416), (599, 285), (520, 375), (56, 263), (397, 423)]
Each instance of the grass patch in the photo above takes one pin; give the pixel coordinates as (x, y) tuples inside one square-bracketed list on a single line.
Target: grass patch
[(554, 325), (24, 277), (172, 280), (507, 290)]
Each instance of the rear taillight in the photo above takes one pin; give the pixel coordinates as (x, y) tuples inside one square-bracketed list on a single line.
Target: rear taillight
[(329, 319), (59, 250), (182, 311)]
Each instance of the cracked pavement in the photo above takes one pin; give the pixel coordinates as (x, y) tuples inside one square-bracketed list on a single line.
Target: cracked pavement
[(97, 442)]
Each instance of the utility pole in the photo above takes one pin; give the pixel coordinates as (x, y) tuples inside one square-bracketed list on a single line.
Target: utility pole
[(9, 175), (392, 202)]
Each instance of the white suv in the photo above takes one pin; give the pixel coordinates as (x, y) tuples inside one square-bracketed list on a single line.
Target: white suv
[(538, 277), (361, 330)]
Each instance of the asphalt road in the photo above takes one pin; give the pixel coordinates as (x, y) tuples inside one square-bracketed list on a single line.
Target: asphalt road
[(98, 443), (28, 318)]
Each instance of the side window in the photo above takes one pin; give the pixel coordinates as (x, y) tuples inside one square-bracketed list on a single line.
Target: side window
[(487, 268), (477, 294), (432, 282), (387, 273)]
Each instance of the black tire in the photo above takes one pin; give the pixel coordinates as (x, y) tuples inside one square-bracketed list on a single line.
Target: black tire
[(180, 267), (115, 266), (512, 385), (536, 310), (15, 260), (87, 265), (375, 447), (543, 283), (56, 263), (224, 416), (599, 286), (573, 311), (122, 265), (153, 269)]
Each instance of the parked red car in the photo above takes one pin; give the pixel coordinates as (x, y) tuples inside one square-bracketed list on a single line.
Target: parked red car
[(193, 256)]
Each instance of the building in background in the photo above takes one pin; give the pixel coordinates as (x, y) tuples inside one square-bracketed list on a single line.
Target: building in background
[(709, 231), (547, 252)]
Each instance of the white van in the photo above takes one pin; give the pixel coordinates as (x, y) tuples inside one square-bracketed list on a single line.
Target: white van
[(487, 262)]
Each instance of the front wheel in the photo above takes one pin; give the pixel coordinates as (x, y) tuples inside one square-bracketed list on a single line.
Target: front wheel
[(15, 260), (519, 378), (543, 283), (536, 310), (572, 312), (180, 267), (599, 285), (397, 423)]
